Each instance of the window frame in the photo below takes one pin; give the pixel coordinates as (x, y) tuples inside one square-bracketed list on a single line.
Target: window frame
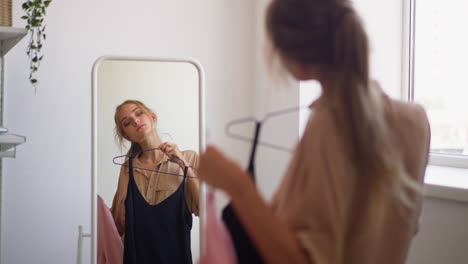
[(408, 63)]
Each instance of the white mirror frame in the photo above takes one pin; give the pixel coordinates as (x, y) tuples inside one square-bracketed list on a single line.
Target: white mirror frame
[(201, 108)]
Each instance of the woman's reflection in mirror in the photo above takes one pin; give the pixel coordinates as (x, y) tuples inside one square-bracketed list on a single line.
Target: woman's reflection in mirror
[(153, 210)]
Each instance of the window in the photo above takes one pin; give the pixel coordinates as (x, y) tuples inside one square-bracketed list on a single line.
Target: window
[(439, 75)]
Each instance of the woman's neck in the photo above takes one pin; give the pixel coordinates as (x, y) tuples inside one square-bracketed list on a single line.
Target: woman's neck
[(330, 87), (151, 141), (326, 79)]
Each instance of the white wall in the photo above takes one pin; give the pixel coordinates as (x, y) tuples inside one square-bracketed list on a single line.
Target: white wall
[(46, 191), (383, 22), (275, 91), (443, 234)]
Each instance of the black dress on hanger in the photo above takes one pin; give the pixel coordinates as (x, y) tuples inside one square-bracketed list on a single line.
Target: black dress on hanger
[(245, 249), (157, 233)]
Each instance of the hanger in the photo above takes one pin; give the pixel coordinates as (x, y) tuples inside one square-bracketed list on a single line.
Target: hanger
[(228, 132), (135, 154)]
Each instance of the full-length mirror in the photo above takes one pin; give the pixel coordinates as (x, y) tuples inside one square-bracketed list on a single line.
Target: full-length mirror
[(147, 135)]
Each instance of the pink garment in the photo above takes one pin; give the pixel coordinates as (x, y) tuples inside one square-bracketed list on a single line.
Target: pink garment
[(218, 244), (110, 245)]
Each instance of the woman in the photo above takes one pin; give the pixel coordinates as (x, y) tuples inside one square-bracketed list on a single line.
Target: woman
[(352, 193), (155, 207)]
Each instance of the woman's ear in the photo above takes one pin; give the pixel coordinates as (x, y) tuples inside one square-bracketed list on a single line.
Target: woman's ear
[(154, 117)]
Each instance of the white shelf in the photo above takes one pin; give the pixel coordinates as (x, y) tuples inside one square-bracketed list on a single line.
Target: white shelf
[(10, 141), (9, 36)]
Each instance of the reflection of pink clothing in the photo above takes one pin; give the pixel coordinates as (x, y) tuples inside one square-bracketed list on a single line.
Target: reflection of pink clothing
[(218, 244), (110, 246)]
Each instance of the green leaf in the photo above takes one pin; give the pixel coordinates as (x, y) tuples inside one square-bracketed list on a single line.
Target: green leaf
[(35, 13)]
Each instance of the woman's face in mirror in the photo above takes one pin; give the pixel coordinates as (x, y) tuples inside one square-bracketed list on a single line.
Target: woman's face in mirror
[(135, 123)]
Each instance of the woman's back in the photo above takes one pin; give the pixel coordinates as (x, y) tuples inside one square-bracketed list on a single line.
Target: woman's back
[(324, 200)]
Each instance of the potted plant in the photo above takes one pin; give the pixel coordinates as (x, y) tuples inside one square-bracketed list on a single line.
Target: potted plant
[(35, 12)]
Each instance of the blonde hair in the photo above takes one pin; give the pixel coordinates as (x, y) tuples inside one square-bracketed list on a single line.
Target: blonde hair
[(118, 130), (329, 33)]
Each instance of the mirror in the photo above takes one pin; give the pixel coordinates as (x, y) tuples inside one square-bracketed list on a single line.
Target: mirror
[(172, 91)]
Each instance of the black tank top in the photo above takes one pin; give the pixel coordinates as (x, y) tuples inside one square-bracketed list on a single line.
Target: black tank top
[(245, 249), (157, 233)]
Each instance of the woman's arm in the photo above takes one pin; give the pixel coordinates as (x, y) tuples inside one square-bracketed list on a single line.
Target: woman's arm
[(191, 160), (194, 191), (193, 185), (275, 241)]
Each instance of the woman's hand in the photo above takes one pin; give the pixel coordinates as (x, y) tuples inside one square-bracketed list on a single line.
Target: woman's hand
[(222, 173), (173, 152)]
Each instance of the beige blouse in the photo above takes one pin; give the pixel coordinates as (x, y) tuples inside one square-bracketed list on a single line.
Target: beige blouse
[(315, 197), (154, 186)]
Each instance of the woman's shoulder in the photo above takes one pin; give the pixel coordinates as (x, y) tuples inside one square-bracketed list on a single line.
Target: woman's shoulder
[(189, 153), (404, 111), (411, 127), (191, 156), (407, 114), (124, 168)]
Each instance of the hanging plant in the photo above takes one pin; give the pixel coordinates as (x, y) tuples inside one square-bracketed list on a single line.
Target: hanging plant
[(35, 12)]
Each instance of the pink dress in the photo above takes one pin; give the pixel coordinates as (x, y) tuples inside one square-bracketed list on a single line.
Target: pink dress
[(110, 245), (218, 244)]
